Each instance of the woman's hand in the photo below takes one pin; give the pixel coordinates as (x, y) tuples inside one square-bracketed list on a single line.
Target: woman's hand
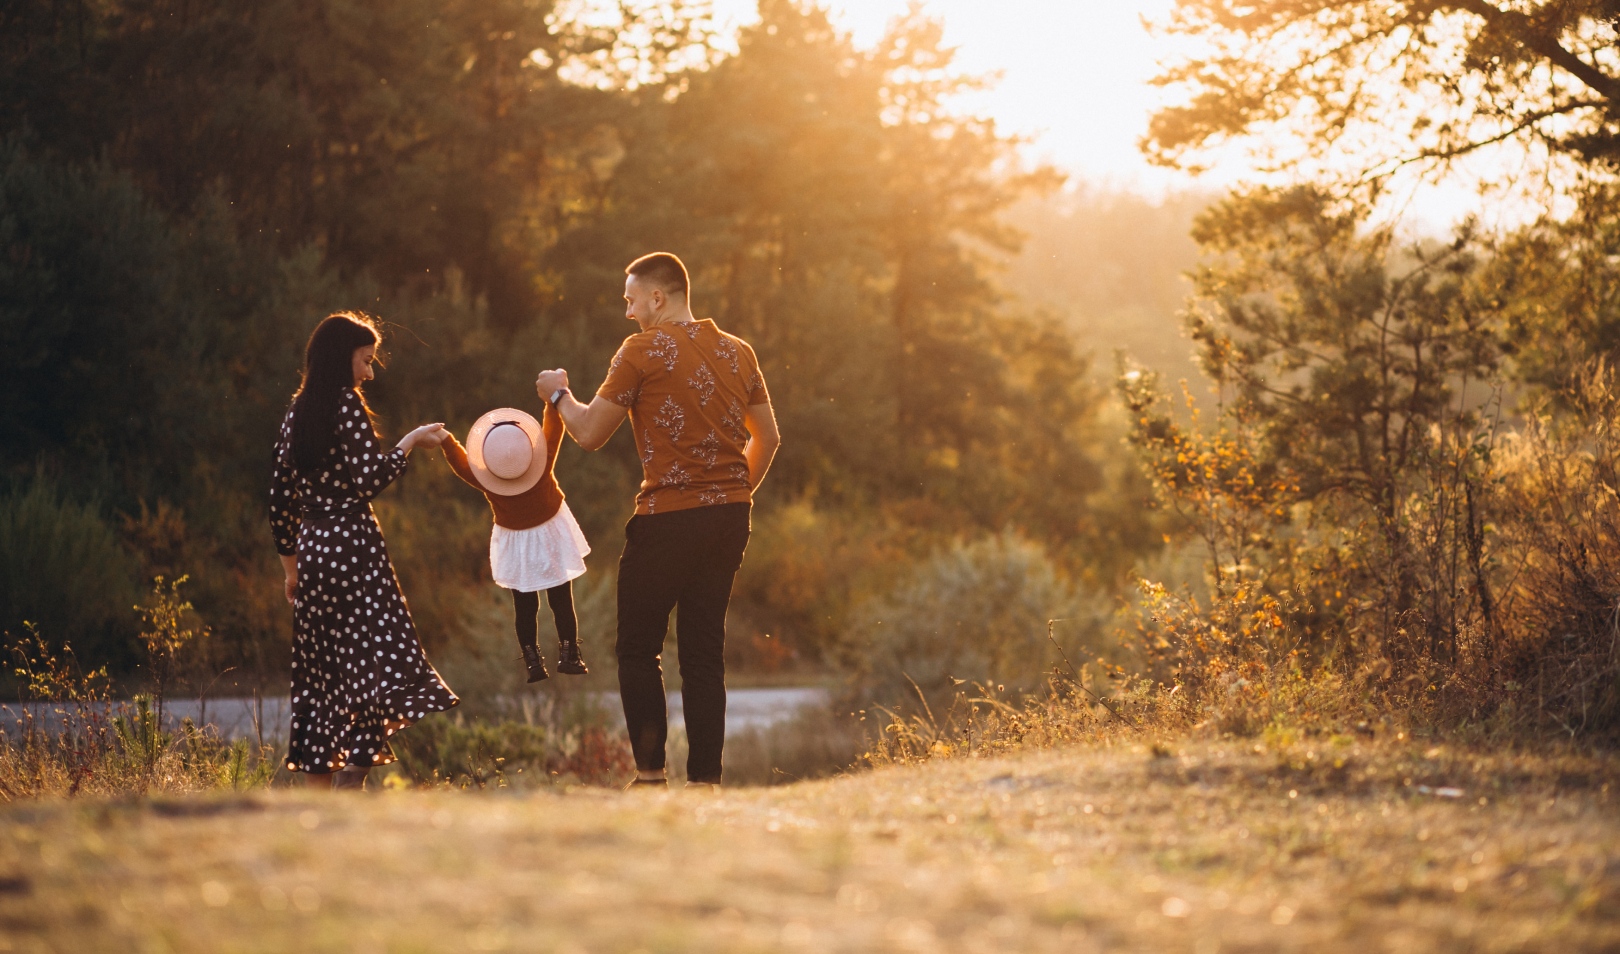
[(289, 566), (428, 435)]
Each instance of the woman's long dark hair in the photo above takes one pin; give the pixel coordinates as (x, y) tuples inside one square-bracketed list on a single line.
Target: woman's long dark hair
[(328, 373)]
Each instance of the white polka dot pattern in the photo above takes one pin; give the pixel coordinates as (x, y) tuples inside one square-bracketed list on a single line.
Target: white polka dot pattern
[(357, 664)]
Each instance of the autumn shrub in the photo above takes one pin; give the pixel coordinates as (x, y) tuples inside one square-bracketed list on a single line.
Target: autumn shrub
[(1556, 650), (1380, 535)]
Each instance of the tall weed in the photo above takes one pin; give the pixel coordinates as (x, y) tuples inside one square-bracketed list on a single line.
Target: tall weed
[(1559, 652), (70, 737)]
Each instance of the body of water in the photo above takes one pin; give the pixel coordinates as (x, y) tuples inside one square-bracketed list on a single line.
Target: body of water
[(268, 717)]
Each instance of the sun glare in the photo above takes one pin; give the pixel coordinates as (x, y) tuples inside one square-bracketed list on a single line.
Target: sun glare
[(1072, 75), (1072, 79)]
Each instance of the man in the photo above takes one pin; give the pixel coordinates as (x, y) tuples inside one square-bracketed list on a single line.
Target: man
[(706, 434)]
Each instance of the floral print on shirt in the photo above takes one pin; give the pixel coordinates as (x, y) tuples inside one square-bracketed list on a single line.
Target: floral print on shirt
[(688, 389)]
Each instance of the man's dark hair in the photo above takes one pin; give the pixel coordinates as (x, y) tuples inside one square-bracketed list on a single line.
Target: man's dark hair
[(664, 269)]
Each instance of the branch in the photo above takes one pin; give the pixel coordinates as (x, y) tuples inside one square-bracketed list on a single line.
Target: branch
[(1445, 154), (1514, 23)]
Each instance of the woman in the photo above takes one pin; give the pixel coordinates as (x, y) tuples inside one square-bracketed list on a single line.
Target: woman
[(359, 674)]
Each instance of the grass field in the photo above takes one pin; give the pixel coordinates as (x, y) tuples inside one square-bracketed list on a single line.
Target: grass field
[(1200, 847)]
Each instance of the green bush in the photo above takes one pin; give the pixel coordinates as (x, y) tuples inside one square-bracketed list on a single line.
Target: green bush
[(544, 746), (977, 612), (61, 567)]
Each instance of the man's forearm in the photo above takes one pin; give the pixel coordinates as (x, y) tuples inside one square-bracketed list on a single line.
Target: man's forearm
[(573, 416), (590, 424), (759, 455)]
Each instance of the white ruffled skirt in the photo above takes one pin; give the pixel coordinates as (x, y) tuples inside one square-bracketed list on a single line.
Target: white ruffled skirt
[(540, 557)]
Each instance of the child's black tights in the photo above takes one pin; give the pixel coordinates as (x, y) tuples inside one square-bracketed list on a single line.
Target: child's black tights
[(561, 600)]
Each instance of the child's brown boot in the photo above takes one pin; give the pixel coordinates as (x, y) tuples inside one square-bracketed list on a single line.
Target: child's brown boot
[(536, 665), (569, 659)]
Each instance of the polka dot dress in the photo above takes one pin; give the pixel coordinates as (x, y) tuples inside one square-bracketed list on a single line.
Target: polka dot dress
[(357, 664)]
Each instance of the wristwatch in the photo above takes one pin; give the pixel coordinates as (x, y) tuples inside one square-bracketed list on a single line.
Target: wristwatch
[(557, 395)]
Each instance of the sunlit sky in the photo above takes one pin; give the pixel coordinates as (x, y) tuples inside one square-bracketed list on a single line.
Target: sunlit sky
[(1073, 72), (1074, 78)]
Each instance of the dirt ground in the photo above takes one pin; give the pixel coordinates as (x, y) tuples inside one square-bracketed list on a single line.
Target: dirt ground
[(1200, 847)]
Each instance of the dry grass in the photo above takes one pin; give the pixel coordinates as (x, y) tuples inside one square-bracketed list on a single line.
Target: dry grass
[(1338, 845)]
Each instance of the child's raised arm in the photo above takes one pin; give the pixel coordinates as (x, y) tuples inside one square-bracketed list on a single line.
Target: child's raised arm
[(456, 456), (551, 426)]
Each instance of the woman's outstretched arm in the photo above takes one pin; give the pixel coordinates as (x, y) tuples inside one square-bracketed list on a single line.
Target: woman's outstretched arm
[(370, 468)]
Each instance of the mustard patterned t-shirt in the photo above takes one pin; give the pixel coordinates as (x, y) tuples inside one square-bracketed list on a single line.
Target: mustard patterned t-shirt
[(687, 385)]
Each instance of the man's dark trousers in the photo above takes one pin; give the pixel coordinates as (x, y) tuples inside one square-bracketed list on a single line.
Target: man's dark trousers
[(685, 561)]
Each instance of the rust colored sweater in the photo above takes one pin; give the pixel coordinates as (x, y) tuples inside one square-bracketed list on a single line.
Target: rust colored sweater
[(535, 505)]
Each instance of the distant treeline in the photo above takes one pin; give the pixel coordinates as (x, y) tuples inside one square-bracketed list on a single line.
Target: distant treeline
[(1115, 267), (187, 186)]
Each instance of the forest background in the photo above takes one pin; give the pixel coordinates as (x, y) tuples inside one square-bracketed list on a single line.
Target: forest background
[(1400, 488), (186, 188)]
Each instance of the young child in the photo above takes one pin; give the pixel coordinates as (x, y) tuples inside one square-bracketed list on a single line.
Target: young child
[(536, 544)]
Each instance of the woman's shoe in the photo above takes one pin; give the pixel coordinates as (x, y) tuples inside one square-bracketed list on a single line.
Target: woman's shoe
[(537, 666), (569, 660)]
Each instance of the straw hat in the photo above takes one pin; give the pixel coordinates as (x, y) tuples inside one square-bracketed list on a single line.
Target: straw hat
[(506, 451)]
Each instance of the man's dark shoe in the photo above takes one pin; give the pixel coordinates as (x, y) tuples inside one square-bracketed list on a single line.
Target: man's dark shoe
[(569, 659), (639, 782), (537, 666)]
